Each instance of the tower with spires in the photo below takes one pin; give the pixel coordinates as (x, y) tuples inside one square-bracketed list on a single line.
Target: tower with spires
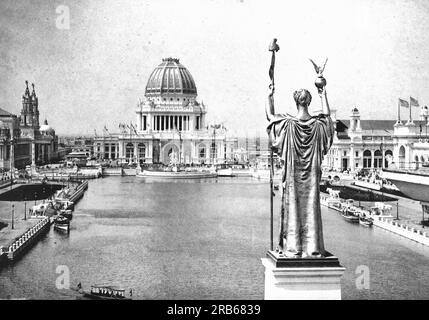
[(35, 108), (30, 109)]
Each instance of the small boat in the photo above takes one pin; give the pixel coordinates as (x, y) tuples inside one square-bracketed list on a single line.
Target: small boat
[(225, 172), (177, 174), (62, 223), (349, 216), (366, 222), (66, 213), (333, 201), (103, 292)]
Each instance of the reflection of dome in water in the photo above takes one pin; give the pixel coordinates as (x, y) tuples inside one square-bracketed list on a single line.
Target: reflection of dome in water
[(170, 77)]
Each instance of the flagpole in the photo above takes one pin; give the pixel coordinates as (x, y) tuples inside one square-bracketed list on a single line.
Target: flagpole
[(399, 111), (410, 120)]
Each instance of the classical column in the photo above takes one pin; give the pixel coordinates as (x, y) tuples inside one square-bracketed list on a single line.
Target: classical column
[(372, 159), (352, 158), (12, 157), (135, 151), (149, 126), (121, 150), (191, 123), (193, 151), (149, 152), (33, 154)]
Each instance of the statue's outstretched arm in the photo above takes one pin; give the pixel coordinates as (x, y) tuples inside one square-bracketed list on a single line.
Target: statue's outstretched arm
[(269, 106)]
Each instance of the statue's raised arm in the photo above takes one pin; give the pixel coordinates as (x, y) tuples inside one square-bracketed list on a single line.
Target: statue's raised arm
[(269, 106)]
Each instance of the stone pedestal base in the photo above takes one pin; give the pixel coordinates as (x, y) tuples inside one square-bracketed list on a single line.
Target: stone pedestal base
[(302, 278)]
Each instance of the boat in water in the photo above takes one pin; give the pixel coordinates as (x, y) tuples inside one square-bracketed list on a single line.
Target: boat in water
[(175, 173), (67, 214), (382, 210), (333, 201), (62, 223), (349, 216), (225, 172), (366, 222), (349, 212), (106, 292)]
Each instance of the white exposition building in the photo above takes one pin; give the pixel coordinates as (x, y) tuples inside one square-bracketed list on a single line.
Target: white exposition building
[(368, 144), (171, 125)]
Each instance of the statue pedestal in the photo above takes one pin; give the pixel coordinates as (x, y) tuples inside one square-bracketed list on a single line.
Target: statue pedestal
[(302, 278)]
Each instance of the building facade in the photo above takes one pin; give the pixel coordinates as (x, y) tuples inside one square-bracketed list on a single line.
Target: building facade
[(171, 125), (360, 144), (374, 144), (411, 141), (23, 141)]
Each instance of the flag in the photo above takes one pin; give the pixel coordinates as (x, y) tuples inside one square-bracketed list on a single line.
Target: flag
[(134, 128), (403, 103), (414, 102)]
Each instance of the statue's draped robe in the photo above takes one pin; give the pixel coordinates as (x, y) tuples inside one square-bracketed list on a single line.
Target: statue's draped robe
[(301, 146)]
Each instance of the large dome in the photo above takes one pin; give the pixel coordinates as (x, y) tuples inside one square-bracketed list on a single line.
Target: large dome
[(170, 77)]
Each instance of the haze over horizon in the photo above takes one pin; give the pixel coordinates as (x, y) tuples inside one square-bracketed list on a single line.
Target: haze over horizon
[(93, 74)]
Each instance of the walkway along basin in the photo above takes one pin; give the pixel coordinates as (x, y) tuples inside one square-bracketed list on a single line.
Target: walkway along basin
[(177, 175)]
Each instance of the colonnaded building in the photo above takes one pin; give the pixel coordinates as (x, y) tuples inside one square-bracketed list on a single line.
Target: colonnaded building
[(171, 125), (372, 144), (23, 141)]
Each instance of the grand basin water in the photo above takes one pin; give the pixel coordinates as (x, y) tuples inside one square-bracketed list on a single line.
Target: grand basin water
[(198, 240)]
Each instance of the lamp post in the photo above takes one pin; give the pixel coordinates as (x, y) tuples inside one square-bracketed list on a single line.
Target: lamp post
[(25, 208), (213, 148), (397, 209), (13, 215)]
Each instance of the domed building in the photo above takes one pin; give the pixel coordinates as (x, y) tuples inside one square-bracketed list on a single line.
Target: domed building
[(22, 140), (171, 125)]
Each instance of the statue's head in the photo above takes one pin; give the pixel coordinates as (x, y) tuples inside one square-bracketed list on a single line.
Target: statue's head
[(302, 97)]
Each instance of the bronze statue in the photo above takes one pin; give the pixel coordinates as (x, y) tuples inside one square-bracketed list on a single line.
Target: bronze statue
[(301, 141)]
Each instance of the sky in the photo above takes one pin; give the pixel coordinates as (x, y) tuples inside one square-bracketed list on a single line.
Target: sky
[(92, 74)]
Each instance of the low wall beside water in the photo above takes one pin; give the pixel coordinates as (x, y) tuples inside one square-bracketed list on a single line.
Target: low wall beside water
[(402, 229)]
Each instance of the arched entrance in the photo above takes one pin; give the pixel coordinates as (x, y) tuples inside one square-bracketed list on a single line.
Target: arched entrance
[(388, 154), (171, 154), (142, 152), (129, 151), (402, 157), (367, 159), (202, 153), (378, 159)]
